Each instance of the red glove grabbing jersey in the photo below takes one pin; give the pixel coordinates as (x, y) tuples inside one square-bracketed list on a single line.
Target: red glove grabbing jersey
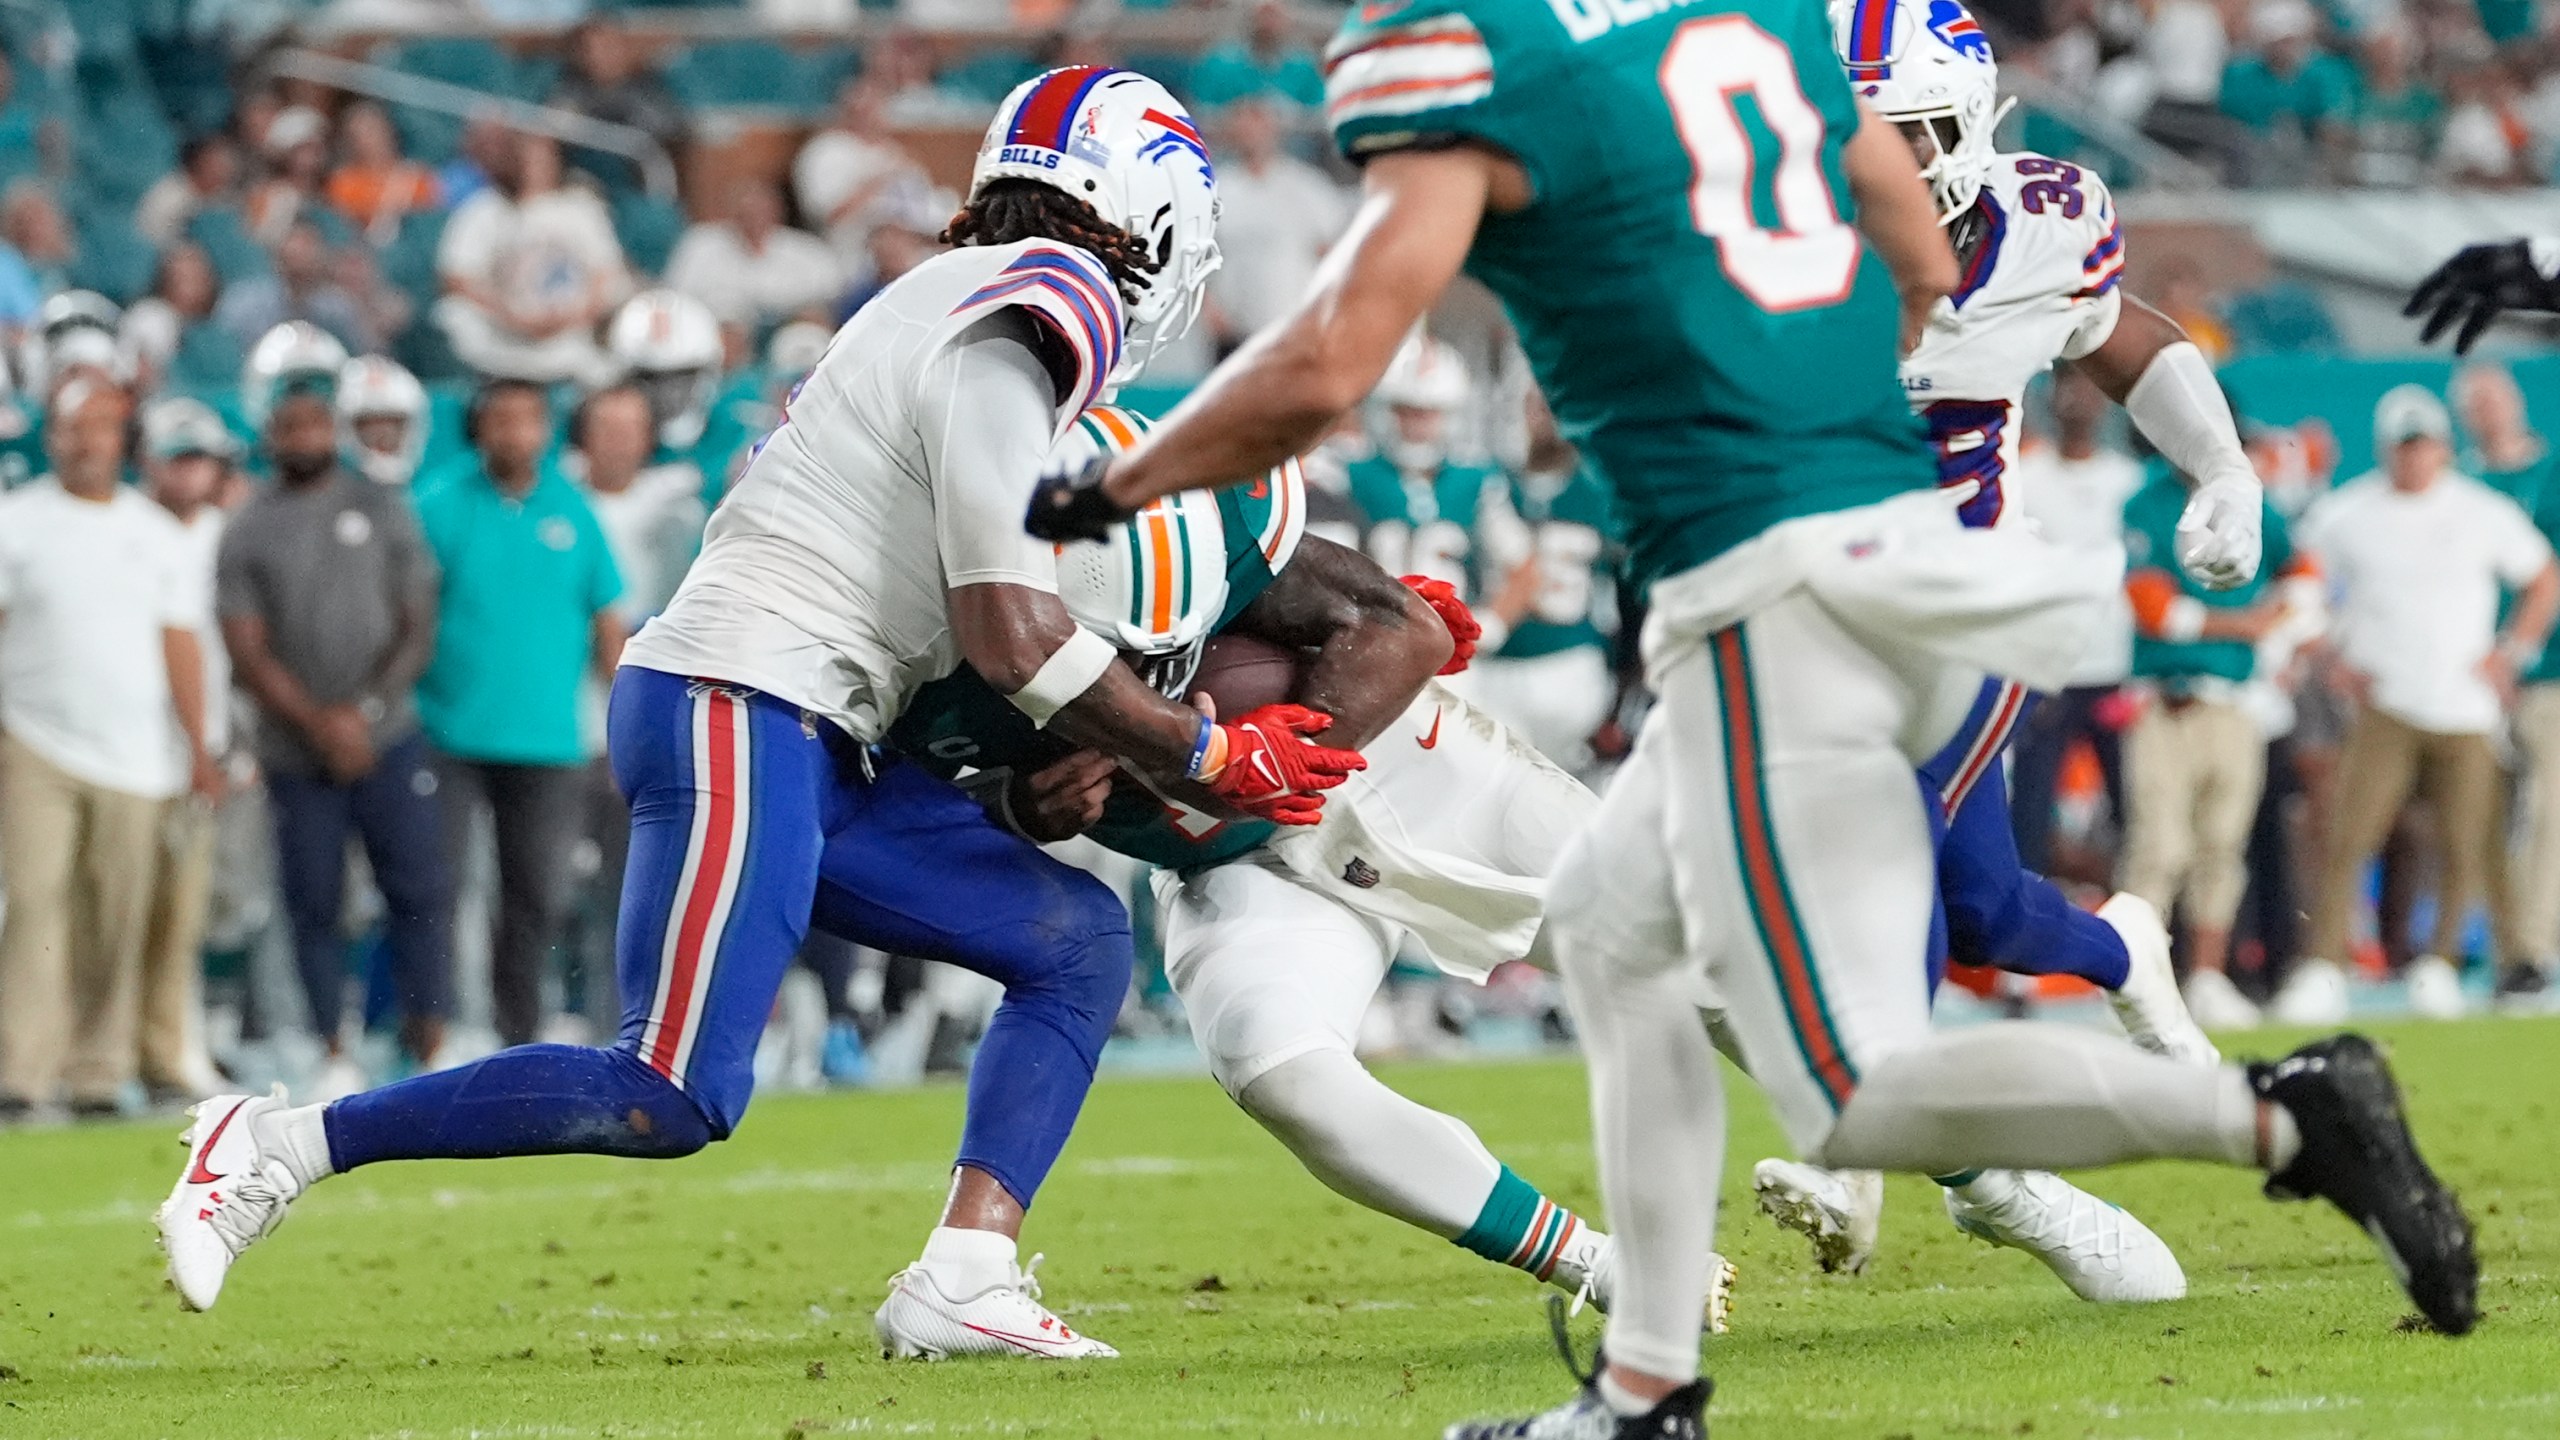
[(1443, 599), (1271, 773)]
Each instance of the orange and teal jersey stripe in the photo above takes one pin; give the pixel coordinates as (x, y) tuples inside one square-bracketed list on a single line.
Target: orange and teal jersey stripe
[(1771, 900)]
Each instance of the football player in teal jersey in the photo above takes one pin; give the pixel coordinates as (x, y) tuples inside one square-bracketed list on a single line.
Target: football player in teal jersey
[(1549, 603), (1713, 257)]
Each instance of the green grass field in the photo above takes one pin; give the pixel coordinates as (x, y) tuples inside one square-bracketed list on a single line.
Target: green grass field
[(731, 1294)]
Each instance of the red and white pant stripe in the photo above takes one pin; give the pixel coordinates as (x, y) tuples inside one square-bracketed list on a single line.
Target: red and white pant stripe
[(708, 883)]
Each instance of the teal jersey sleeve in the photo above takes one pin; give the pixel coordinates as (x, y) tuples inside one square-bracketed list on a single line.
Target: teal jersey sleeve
[(1264, 523), (1423, 72)]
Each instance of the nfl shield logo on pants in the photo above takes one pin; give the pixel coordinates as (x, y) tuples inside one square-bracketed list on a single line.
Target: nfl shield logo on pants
[(1361, 873)]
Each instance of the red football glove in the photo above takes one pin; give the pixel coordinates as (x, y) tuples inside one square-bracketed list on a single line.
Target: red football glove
[(1271, 773), (1443, 599)]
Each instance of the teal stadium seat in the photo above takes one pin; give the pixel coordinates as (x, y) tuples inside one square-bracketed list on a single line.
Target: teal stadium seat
[(121, 140), (720, 73), (235, 254), (113, 260), (649, 228)]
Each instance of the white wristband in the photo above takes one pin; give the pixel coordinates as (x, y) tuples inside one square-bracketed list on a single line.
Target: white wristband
[(1069, 671)]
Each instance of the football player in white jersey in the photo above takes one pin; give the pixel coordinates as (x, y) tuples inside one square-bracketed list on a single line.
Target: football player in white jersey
[(873, 545), (1277, 941), (2042, 255)]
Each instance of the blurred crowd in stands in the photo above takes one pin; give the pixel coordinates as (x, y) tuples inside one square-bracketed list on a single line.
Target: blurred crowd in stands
[(346, 438)]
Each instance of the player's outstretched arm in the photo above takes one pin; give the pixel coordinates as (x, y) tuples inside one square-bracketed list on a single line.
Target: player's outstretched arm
[(1275, 397), (2149, 366), (1899, 219), (1376, 640)]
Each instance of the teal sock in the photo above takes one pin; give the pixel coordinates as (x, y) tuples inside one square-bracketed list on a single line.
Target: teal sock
[(1520, 1227)]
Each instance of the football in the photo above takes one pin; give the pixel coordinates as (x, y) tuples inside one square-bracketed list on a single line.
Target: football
[(1242, 673)]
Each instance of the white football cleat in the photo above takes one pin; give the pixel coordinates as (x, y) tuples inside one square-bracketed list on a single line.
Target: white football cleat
[(1590, 1271), (229, 1197), (2148, 1005), (2435, 989), (2217, 1004), (919, 1322), (2101, 1252), (2314, 994), (1836, 1209)]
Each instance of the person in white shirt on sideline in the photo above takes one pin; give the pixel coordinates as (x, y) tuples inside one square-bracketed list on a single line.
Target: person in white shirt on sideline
[(528, 268), (2419, 554), (1277, 216), (750, 268), (843, 173), (188, 456), (98, 664)]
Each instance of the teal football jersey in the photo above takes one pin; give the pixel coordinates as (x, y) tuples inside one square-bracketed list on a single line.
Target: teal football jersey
[(1566, 528), (1415, 527), (962, 730), (1712, 333)]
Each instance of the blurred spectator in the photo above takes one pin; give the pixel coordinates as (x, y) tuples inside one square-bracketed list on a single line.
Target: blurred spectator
[(327, 596), (528, 269), (20, 119), (2418, 553), (2288, 89), (1267, 59), (98, 658), (751, 269), (486, 147), (906, 231), (2179, 57), (172, 333), (2486, 140), (35, 252), (385, 308), (606, 79), (1276, 216), (376, 187), (2195, 758), (300, 287), (2535, 881), (188, 455), (208, 171), (912, 95), (2075, 489), (526, 614), (2396, 112), (295, 152), (2503, 450), (846, 169), (651, 514)]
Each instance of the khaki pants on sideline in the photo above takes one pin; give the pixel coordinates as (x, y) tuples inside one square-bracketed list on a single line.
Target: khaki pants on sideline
[(2383, 761), (81, 861), (2193, 773), (2537, 860), (173, 954)]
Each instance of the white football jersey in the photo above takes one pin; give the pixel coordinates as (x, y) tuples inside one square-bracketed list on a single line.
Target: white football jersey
[(2040, 287), (823, 573)]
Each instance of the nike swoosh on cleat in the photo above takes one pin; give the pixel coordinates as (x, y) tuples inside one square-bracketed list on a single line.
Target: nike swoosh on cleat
[(196, 1173), (1433, 739)]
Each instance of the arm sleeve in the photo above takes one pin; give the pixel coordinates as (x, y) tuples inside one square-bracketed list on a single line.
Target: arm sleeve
[(985, 412)]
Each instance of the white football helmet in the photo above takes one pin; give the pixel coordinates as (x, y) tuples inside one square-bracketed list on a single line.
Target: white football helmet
[(1426, 374), (1157, 586), (73, 329), (1122, 144), (178, 427), (295, 355), (377, 387), (668, 344), (1927, 61)]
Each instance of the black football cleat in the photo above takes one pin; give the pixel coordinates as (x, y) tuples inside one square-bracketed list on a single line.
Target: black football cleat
[(2358, 1155), (1681, 1415)]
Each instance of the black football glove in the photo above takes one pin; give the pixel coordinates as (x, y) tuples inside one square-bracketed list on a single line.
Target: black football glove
[(2482, 281), (1069, 505)]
